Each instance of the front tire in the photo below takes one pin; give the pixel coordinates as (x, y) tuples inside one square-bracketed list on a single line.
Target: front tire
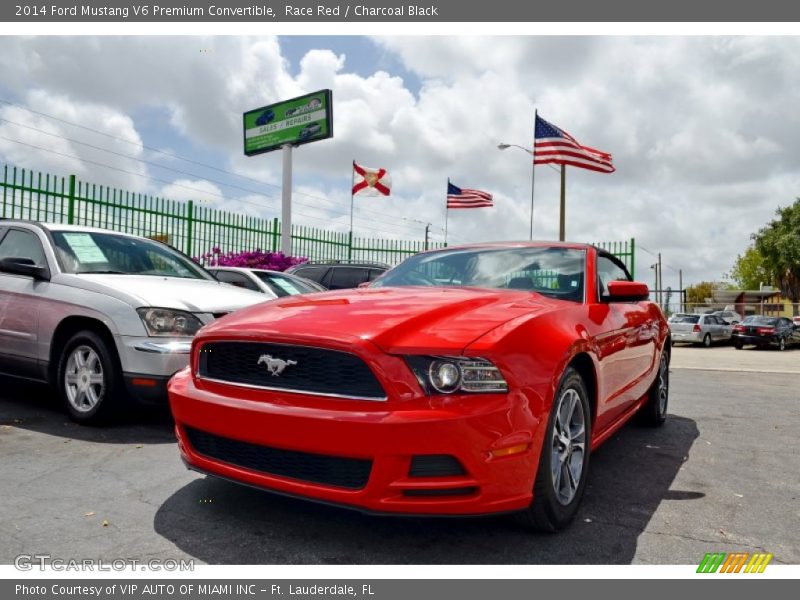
[(738, 345), (564, 460), (89, 379)]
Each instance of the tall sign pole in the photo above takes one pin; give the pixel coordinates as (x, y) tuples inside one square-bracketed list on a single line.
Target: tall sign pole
[(562, 221), (533, 164), (446, 211), (285, 125), (286, 201)]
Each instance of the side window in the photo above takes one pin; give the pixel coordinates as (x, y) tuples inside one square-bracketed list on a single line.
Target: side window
[(348, 277), (236, 279), (23, 244), (374, 273), (312, 273), (609, 269)]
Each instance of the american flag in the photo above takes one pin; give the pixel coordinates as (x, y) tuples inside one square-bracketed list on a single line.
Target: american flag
[(465, 198), (554, 145)]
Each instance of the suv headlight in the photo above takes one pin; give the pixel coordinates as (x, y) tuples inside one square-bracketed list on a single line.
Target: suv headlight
[(448, 374), (167, 322)]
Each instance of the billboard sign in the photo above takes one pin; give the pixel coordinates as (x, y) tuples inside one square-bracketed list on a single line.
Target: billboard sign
[(297, 121)]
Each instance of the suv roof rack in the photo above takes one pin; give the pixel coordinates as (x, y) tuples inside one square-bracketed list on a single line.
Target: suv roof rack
[(345, 261)]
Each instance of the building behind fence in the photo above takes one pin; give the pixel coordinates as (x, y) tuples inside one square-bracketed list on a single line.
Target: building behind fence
[(196, 229)]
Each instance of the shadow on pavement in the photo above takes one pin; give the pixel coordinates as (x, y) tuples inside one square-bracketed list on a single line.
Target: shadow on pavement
[(224, 523), (35, 407)]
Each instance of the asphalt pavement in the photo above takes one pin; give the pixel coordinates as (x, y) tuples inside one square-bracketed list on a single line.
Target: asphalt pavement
[(721, 475)]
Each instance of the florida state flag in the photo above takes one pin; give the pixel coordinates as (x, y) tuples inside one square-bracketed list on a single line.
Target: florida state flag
[(370, 182)]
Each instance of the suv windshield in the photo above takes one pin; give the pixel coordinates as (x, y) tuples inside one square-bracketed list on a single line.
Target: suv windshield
[(92, 252), (551, 271)]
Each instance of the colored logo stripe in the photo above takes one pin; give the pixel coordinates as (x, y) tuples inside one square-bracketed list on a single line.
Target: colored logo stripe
[(734, 563), (711, 562)]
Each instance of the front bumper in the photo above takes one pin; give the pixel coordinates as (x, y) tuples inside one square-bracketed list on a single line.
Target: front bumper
[(149, 362), (388, 434)]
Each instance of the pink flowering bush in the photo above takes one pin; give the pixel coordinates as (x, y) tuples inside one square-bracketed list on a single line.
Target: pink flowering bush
[(255, 259)]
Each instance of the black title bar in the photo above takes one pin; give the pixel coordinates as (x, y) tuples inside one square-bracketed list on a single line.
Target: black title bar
[(334, 11)]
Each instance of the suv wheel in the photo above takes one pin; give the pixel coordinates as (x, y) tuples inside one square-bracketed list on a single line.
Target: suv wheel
[(89, 379)]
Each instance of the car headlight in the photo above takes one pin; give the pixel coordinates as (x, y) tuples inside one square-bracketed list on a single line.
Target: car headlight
[(168, 322), (448, 374)]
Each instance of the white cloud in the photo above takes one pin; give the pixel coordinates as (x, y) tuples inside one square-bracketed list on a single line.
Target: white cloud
[(30, 139), (704, 130)]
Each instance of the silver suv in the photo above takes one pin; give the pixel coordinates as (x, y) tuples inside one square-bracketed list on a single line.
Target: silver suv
[(102, 316)]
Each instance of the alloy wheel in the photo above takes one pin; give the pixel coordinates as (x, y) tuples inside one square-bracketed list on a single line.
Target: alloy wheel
[(663, 384), (84, 381), (569, 446)]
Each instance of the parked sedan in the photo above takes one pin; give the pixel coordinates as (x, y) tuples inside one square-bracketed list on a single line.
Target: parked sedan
[(101, 316), (275, 284), (484, 394), (776, 332), (699, 329)]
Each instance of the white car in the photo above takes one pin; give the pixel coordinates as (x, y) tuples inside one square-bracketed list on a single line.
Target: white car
[(275, 284), (699, 329), (102, 316)]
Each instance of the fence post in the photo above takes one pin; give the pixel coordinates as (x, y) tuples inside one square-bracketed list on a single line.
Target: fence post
[(275, 234), (350, 245), (189, 226), (633, 258), (71, 201)]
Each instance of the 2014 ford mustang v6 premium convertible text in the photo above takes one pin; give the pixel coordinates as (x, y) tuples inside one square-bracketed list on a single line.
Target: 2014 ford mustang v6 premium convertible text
[(470, 380)]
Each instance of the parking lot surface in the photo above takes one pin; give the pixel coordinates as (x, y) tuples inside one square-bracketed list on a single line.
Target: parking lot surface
[(721, 475)]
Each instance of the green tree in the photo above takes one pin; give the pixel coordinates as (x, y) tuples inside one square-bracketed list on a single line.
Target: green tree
[(697, 293), (779, 243), (750, 270)]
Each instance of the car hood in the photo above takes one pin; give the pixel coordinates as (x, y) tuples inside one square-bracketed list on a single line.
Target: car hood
[(402, 319), (194, 295)]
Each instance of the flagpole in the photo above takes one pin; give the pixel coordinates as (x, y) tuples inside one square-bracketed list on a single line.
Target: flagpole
[(352, 185), (533, 165), (446, 212), (562, 220)]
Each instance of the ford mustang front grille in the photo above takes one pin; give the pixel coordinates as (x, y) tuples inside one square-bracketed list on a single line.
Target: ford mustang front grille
[(351, 473), (290, 368)]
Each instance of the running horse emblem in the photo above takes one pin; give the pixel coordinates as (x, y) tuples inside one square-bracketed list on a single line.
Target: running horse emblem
[(276, 366)]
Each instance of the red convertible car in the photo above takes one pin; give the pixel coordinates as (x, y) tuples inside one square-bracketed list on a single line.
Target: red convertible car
[(470, 380)]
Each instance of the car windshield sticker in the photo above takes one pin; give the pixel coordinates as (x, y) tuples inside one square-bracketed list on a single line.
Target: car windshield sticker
[(85, 248)]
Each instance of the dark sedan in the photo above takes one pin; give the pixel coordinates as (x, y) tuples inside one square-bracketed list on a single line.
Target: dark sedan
[(776, 332)]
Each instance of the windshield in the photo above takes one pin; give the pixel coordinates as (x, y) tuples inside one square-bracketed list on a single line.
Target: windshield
[(551, 271), (283, 285), (92, 252)]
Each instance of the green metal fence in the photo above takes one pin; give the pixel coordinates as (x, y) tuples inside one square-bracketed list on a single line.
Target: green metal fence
[(195, 229)]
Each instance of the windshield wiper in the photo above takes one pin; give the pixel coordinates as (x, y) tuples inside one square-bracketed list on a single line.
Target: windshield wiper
[(109, 272)]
